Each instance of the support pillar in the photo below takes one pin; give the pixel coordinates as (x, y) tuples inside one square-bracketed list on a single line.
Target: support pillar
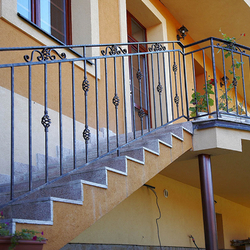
[(207, 195)]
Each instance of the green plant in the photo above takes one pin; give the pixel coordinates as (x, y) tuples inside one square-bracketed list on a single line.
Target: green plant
[(241, 110), (201, 102), (227, 53), (231, 44), (3, 227), (225, 100), (25, 234)]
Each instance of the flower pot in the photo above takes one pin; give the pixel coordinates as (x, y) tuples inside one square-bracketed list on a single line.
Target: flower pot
[(5, 243)]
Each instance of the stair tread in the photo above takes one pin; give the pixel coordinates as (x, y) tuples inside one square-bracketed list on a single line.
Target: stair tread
[(96, 172)]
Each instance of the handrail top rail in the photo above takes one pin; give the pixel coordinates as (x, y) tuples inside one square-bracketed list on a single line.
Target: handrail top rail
[(89, 45), (123, 44), (215, 39)]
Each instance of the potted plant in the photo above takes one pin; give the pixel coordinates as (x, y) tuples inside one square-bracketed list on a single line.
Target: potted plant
[(21, 240), (202, 101)]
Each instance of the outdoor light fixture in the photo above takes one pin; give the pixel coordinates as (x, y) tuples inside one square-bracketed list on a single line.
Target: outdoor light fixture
[(182, 32), (223, 81)]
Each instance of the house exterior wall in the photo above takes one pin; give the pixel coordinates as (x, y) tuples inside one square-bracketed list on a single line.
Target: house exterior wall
[(133, 222)]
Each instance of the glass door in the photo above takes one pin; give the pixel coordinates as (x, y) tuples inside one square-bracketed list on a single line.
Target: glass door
[(138, 77)]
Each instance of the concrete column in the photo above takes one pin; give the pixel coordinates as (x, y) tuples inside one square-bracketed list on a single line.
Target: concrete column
[(207, 195)]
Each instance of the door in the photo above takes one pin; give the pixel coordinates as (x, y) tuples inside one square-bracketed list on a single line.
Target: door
[(138, 76)]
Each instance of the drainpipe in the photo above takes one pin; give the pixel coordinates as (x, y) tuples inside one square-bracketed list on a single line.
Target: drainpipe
[(209, 218)]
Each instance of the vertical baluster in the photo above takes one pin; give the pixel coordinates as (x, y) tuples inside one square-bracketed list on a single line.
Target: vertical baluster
[(243, 82), (235, 83), (182, 108), (97, 111), (205, 78), (214, 75), (139, 76), (153, 85), (46, 122), (74, 115), (194, 79), (171, 88), (116, 102), (60, 118), (107, 103), (30, 130), (132, 91), (185, 80), (12, 184), (176, 98), (165, 84), (85, 86), (225, 77), (148, 93), (159, 87), (125, 100)]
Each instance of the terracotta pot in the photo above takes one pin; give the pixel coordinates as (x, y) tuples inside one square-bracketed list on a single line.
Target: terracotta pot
[(5, 243)]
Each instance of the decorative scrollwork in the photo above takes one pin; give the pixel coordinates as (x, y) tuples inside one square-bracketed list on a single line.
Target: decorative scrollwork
[(141, 113), (235, 83), (46, 121), (116, 100), (175, 68), (157, 47), (159, 88), (139, 74), (45, 55), (176, 99), (85, 85), (114, 50), (86, 134)]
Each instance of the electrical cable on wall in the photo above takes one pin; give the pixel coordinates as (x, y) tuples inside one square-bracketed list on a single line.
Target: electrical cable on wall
[(191, 236), (157, 225)]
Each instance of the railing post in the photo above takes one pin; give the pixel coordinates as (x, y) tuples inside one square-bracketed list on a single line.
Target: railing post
[(12, 180), (185, 80), (214, 74), (85, 86)]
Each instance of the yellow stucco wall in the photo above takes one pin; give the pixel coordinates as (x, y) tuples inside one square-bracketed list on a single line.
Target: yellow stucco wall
[(133, 220)]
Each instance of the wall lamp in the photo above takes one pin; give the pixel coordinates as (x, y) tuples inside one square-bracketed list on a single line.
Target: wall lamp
[(182, 32)]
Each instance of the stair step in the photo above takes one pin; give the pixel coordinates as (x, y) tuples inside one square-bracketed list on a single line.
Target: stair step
[(96, 173)]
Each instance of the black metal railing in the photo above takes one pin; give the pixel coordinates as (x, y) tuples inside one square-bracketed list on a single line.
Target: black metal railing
[(61, 109)]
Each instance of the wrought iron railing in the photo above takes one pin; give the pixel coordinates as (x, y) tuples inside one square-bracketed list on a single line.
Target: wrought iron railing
[(65, 106)]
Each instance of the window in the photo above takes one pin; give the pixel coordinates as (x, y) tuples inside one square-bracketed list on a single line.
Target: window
[(52, 16)]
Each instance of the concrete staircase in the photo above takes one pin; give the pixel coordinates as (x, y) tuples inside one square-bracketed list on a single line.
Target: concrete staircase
[(72, 203)]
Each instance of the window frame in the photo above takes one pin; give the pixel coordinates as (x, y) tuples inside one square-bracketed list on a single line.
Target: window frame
[(36, 20)]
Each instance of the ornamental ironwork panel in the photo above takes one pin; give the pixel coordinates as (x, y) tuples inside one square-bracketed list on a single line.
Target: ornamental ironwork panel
[(139, 75), (86, 134), (85, 85), (176, 99), (235, 83), (159, 88), (157, 47), (46, 121), (45, 55), (175, 68), (116, 100), (141, 113), (113, 50)]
